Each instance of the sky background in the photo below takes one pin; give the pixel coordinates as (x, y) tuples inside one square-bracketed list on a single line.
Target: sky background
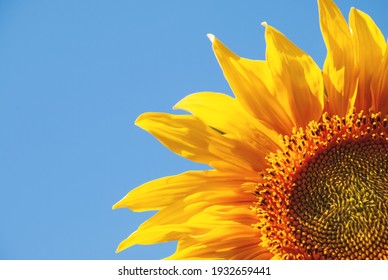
[(74, 75)]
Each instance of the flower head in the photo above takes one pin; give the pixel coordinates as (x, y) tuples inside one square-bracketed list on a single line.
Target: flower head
[(299, 155)]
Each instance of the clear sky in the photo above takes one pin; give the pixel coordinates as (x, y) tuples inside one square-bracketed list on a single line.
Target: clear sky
[(74, 75)]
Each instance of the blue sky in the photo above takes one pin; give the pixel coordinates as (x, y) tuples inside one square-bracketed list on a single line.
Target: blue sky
[(74, 75)]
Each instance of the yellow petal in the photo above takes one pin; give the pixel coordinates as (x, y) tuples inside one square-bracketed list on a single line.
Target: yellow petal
[(226, 115), (340, 70), (253, 86), (370, 46), (379, 85), (240, 243), (194, 140), (183, 219), (162, 192), (298, 79)]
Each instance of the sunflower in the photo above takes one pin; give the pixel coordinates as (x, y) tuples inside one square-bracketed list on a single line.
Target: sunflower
[(298, 158)]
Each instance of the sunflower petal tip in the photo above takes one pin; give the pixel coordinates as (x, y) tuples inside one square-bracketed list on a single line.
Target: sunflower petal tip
[(117, 205), (119, 249), (264, 23), (211, 37), (177, 105), (140, 119)]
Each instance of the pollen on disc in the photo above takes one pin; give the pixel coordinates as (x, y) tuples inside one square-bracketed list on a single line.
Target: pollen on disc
[(326, 195)]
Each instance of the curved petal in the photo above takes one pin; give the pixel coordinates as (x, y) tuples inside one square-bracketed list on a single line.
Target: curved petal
[(187, 218), (252, 84), (226, 115), (340, 68), (298, 79), (191, 138), (162, 192), (379, 85), (370, 45), (240, 244)]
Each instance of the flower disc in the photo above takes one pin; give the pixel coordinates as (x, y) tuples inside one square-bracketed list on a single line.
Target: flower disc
[(332, 177)]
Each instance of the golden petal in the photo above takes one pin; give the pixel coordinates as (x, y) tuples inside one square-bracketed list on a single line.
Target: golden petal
[(379, 85), (340, 67), (298, 79), (189, 137), (162, 192), (226, 115), (253, 86), (370, 45), (240, 244), (183, 219)]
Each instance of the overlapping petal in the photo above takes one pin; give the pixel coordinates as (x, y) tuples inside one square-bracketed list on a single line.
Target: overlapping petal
[(226, 115), (162, 192), (189, 217), (369, 46), (340, 68), (252, 84), (379, 85), (297, 78), (239, 244), (189, 137)]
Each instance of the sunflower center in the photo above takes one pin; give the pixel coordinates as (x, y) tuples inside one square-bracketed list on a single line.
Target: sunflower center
[(326, 195), (339, 206)]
